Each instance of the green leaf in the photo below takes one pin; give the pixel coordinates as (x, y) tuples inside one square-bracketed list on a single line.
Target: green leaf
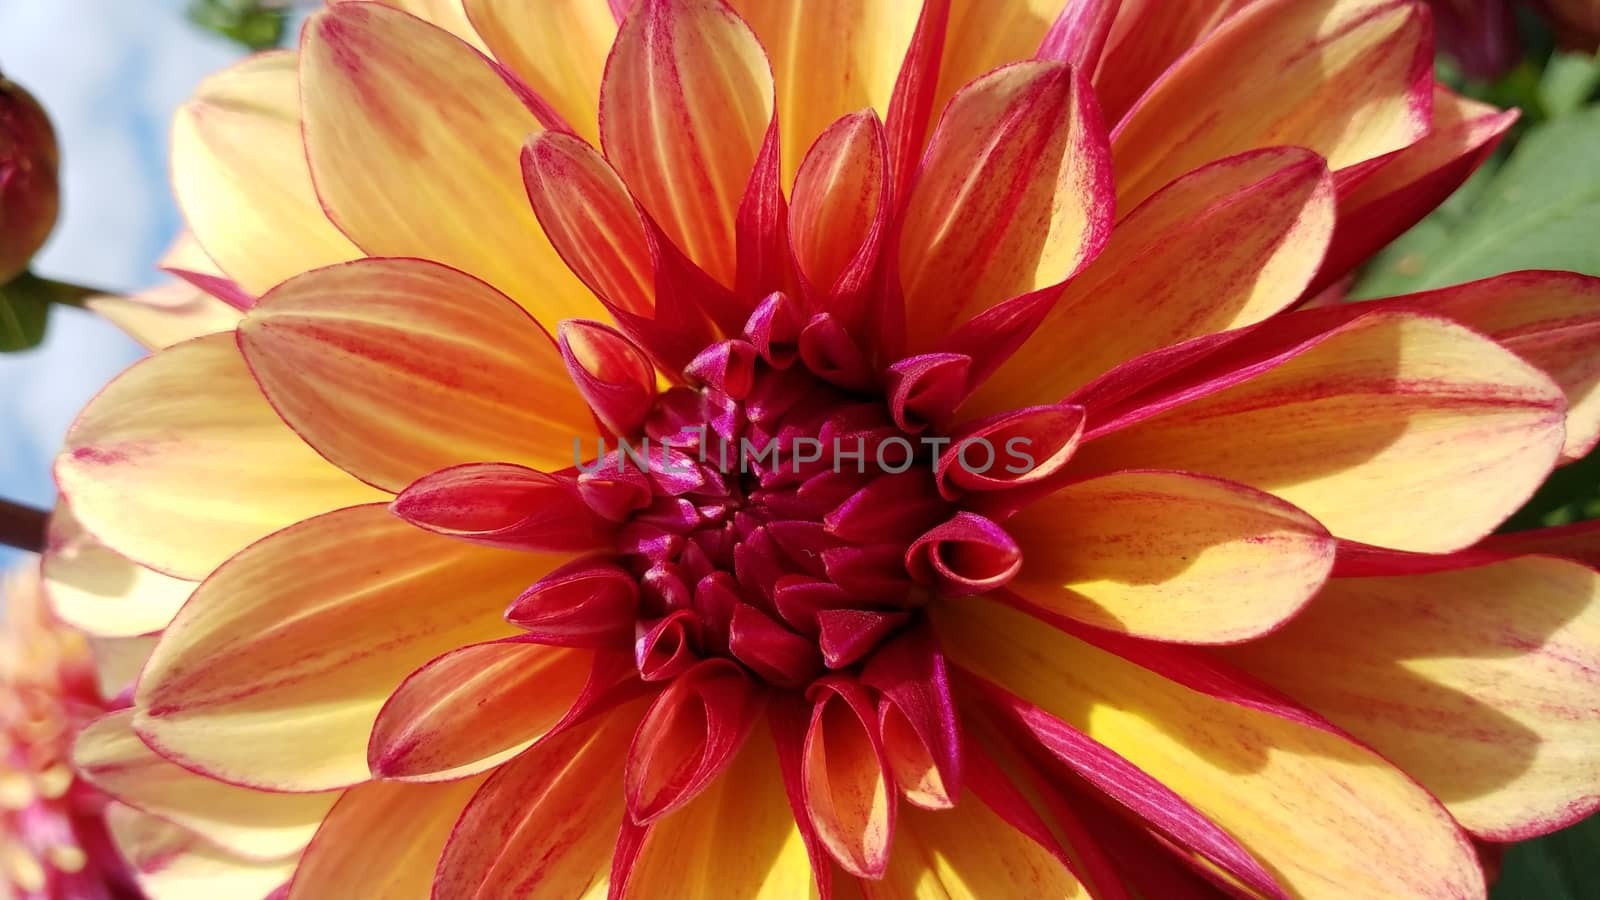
[(24, 313), (1569, 81), (253, 23), (1541, 210), (1560, 866)]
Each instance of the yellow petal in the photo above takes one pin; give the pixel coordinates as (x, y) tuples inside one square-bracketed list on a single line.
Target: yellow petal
[(1349, 79), (738, 838), (240, 175), (447, 14), (1223, 247), (1480, 682), (274, 672), (557, 47), (982, 35), (685, 105), (118, 661), (173, 863), (1170, 556), (414, 142), (1013, 195), (1395, 429), (251, 824), (1320, 812), (180, 462), (968, 853), (101, 592), (165, 315), (829, 59), (382, 840), (394, 368)]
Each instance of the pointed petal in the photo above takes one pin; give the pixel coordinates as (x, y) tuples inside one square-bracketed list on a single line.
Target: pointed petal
[(165, 315), (446, 14), (252, 824), (1550, 319), (1170, 556), (690, 735), (685, 105), (1013, 195), (1393, 429), (828, 60), (504, 505), (1079, 33), (1223, 247), (969, 853), (413, 139), (472, 709), (1479, 681), (1146, 37), (395, 368), (1348, 79), (180, 462), (274, 672), (546, 823), (917, 719), (239, 172), (173, 862), (382, 840), (1314, 807), (737, 839), (100, 592), (1410, 183), (557, 47), (838, 214)]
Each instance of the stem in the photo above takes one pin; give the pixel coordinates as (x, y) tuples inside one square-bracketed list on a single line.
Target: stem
[(64, 293), (22, 527)]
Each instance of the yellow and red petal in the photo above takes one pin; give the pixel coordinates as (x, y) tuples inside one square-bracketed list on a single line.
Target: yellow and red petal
[(557, 47), (446, 14), (1170, 556), (1550, 319), (1349, 79), (180, 462), (240, 175), (1478, 680), (274, 672), (251, 824), (382, 840), (395, 368), (472, 709), (1222, 247), (413, 139), (169, 861), (684, 108), (1317, 809), (1393, 428), (165, 315), (101, 592), (1013, 195), (1148, 36)]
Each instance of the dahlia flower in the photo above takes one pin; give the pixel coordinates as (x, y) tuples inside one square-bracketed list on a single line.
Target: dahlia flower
[(1005, 508), (53, 840)]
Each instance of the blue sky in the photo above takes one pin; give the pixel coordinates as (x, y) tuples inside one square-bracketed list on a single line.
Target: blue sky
[(111, 73)]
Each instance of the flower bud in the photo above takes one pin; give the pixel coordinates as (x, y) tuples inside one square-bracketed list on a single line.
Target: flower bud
[(30, 194)]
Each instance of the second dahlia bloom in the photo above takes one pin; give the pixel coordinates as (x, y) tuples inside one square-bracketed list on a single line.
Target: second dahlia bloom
[(1230, 627)]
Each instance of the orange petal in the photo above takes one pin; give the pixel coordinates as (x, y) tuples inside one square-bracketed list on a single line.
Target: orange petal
[(382, 840), (1550, 319), (737, 839), (173, 862), (846, 785), (239, 173), (1013, 195), (474, 708), (393, 369), (100, 592), (557, 47), (1146, 37), (546, 823), (1394, 429), (1349, 79), (446, 14), (1170, 556), (838, 210), (1223, 247), (1317, 809), (252, 824), (829, 59), (685, 106), (969, 853), (413, 140), (274, 672), (1478, 681), (180, 462)]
